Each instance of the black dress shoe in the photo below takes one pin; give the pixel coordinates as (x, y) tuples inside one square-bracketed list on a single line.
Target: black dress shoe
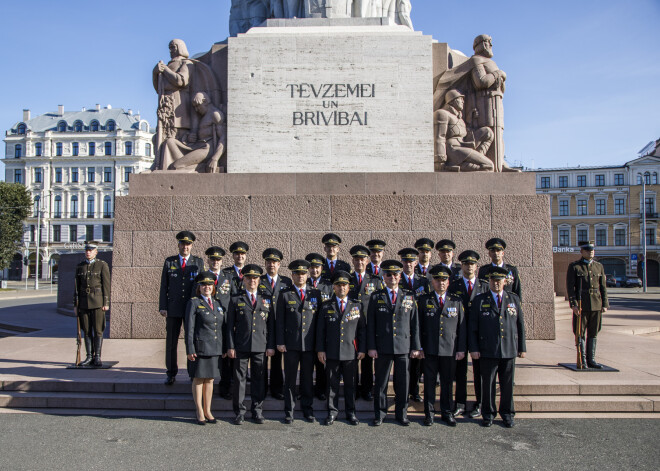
[(458, 411), (170, 380), (212, 421), (353, 420), (368, 396), (288, 420), (416, 398), (278, 396), (474, 413), (428, 421), (330, 420), (310, 418), (226, 395), (259, 419), (404, 422), (486, 422), (201, 422), (449, 420), (509, 423), (321, 397), (377, 422), (239, 420)]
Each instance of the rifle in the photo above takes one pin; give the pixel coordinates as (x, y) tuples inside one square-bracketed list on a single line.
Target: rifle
[(78, 340), (578, 330)]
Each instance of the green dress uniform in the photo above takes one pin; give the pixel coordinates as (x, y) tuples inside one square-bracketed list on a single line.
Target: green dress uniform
[(418, 285), (91, 292)]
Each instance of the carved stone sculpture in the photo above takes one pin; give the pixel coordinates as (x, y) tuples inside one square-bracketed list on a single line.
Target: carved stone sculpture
[(246, 14)]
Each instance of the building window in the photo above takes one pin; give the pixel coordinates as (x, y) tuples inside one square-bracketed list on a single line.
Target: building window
[(649, 205), (21, 128), (58, 149), (94, 126), (58, 174), (147, 152), (61, 126), (37, 175), (91, 174), (600, 180), (74, 148), (128, 148), (127, 173), (108, 148), (601, 237), (619, 237), (563, 207), (601, 207), (650, 236), (564, 237), (107, 174), (18, 176), (74, 207), (110, 125), (74, 175), (144, 127), (57, 233), (563, 182), (619, 206), (107, 233), (38, 149), (654, 178), (582, 234), (57, 208), (618, 178), (90, 206), (89, 232), (18, 151), (32, 229), (582, 207), (37, 204), (78, 126), (73, 233), (107, 207), (582, 180)]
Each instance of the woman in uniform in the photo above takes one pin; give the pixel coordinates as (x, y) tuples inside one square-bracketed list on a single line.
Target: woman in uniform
[(205, 329)]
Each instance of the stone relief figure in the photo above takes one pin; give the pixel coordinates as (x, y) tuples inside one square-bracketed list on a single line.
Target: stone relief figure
[(203, 153), (458, 148), (246, 14)]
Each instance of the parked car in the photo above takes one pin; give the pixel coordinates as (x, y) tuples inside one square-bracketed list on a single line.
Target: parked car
[(632, 282), (610, 281), (619, 280)]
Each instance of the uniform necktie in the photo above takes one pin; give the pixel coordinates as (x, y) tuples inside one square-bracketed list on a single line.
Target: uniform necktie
[(183, 263), (253, 299), (499, 301), (315, 282), (302, 296), (469, 288), (332, 267), (376, 270), (423, 269), (208, 300), (441, 301), (393, 298), (359, 279), (341, 306), (410, 283), (272, 283), (216, 280)]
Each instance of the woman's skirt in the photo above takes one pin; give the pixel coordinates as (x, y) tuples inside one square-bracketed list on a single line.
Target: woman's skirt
[(204, 367)]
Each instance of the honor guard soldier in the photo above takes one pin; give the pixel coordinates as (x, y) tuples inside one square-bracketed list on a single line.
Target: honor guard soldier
[(376, 248), (295, 327), (496, 248), (424, 246), (496, 336), (239, 252), (341, 342), (442, 331), (587, 293), (316, 281), (361, 287), (91, 299), (331, 263), (251, 338), (418, 285), (176, 287), (271, 284), (467, 287), (445, 248), (392, 336)]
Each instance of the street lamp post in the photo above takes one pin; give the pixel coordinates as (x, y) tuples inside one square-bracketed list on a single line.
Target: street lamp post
[(38, 243), (644, 229)]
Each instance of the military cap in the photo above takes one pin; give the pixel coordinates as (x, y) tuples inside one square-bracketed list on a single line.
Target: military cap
[(272, 254), (440, 271), (91, 245), (239, 246), (445, 244), (186, 237), (299, 266), (424, 244), (391, 266), (215, 252), (495, 244), (468, 256), (497, 273), (315, 259), (252, 269), (205, 278), (359, 251), (341, 278), (332, 239), (408, 254), (587, 244), (376, 244)]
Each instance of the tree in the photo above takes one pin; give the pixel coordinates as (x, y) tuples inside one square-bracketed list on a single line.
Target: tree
[(15, 205)]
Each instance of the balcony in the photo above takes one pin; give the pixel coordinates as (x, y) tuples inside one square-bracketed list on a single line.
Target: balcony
[(649, 216)]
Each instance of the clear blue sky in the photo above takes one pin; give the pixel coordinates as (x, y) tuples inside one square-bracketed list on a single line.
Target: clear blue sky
[(583, 76)]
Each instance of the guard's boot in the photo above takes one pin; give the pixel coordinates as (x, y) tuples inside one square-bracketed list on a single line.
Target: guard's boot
[(88, 350), (591, 355), (583, 354), (98, 341)]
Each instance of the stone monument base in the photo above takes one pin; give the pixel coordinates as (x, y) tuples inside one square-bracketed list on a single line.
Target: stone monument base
[(293, 211)]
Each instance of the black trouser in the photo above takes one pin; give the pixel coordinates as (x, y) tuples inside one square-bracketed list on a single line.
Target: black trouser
[(504, 368), (291, 361), (92, 322), (383, 366), (333, 369), (416, 368), (276, 376), (434, 364), (591, 323), (173, 329), (257, 387), (366, 375), (461, 381), (321, 381), (226, 374)]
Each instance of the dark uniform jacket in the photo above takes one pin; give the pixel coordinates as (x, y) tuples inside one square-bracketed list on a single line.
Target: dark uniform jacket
[(512, 280), (392, 330), (587, 281), (362, 292), (176, 285), (418, 270), (282, 283), (339, 265), (455, 270), (496, 333), (91, 287), (295, 321), (341, 336), (458, 288), (324, 286), (235, 281), (420, 285), (442, 332), (370, 270), (251, 329), (206, 327)]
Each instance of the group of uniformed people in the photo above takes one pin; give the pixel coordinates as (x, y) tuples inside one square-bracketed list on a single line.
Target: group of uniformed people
[(334, 321)]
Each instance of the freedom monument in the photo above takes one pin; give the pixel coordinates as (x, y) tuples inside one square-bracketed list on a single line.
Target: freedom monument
[(327, 115)]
